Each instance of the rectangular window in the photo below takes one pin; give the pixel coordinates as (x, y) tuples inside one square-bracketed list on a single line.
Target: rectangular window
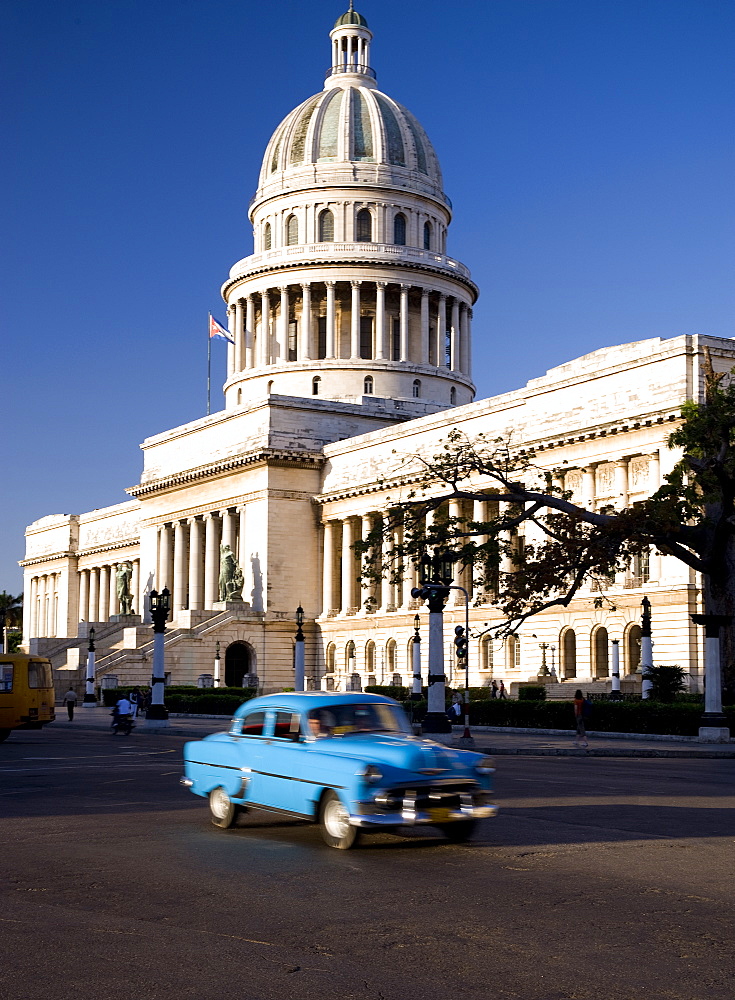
[(288, 726), (6, 677), (39, 675), (395, 340), (292, 335), (252, 725), (322, 334), (366, 337)]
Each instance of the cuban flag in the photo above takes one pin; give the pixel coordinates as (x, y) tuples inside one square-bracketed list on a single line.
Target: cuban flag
[(218, 332)]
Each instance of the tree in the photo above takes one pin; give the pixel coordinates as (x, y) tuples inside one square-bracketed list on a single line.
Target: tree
[(691, 517), (11, 616)]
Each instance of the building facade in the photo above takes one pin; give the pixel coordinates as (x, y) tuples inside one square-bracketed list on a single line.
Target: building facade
[(351, 350)]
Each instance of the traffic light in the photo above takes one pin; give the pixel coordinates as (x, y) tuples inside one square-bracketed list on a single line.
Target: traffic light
[(460, 642)]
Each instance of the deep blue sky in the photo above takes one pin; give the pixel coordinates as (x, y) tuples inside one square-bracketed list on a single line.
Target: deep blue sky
[(586, 145)]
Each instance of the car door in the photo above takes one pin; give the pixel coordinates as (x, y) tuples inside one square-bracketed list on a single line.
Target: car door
[(249, 736), (283, 764)]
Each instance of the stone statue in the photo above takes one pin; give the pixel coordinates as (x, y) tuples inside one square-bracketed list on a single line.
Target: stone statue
[(230, 576), (122, 582)]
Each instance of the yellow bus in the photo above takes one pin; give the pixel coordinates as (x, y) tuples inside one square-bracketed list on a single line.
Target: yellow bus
[(26, 693)]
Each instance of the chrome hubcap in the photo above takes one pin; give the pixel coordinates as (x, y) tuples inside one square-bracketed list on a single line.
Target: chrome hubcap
[(336, 819), (219, 802)]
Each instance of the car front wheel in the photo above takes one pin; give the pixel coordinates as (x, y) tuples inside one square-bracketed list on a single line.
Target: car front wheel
[(335, 823), (460, 831), (222, 810)]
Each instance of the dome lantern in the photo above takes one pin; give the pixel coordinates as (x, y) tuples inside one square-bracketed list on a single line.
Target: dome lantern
[(351, 39)]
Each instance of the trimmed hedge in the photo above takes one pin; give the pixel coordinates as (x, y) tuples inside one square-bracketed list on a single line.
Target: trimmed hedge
[(192, 700)]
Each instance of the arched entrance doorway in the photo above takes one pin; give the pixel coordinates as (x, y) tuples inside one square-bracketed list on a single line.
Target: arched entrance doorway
[(238, 664)]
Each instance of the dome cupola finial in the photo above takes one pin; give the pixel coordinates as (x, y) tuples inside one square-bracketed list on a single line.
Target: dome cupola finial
[(351, 39)]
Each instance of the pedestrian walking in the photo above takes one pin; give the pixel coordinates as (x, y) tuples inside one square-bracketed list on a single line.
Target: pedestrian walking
[(135, 699), (580, 710), (502, 693), (70, 700), (494, 689)]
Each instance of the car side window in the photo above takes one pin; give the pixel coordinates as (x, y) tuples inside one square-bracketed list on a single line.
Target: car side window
[(253, 724), (287, 726)]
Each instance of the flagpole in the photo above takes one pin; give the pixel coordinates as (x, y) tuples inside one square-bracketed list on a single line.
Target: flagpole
[(209, 360)]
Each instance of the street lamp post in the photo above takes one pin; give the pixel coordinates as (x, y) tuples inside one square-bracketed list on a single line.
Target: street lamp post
[(436, 578), (299, 651), (217, 666), (713, 724), (90, 700), (544, 672), (646, 649), (615, 689), (159, 604), (416, 659)]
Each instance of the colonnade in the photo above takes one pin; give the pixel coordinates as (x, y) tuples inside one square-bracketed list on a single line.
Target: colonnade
[(98, 598), (44, 604), (304, 322), (188, 560), (345, 588)]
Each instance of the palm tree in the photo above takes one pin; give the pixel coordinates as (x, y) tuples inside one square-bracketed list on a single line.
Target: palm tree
[(11, 614)]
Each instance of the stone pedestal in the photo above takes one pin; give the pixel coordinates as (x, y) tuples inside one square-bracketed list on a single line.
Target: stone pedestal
[(242, 606), (125, 619), (714, 734)]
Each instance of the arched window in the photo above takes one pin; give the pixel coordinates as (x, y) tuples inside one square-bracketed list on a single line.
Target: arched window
[(364, 226), (292, 231), (330, 658), (239, 396), (269, 387), (399, 230), (416, 391), (599, 653), (368, 385), (427, 236), (315, 385), (453, 396), (350, 657), (390, 656), (632, 649), (486, 653), (370, 658), (326, 226), (267, 237), (513, 652), (568, 647)]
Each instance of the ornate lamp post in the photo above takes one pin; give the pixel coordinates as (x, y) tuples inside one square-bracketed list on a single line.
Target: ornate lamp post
[(615, 689), (646, 663), (299, 650), (436, 574), (713, 724), (90, 700), (217, 665), (544, 672), (416, 659), (160, 605)]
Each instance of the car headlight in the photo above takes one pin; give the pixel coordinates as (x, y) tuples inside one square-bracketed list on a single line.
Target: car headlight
[(372, 774), (486, 765)]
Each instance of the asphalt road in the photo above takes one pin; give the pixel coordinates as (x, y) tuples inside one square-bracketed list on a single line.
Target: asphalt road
[(600, 879)]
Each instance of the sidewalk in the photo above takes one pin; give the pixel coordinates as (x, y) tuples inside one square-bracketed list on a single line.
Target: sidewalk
[(498, 741)]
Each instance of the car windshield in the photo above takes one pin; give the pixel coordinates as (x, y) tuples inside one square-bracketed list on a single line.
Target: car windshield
[(343, 720)]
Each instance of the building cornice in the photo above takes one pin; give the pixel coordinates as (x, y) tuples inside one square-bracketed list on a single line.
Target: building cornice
[(262, 456)]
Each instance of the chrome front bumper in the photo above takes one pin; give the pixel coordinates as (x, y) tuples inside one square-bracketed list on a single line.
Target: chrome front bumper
[(408, 812)]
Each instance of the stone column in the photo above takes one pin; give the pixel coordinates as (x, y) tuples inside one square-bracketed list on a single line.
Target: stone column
[(196, 581), (239, 337), (424, 358), (387, 588), (41, 607), (454, 336), (114, 604), (331, 316), (456, 596), (211, 561), (249, 358), (305, 351), (404, 322), (588, 487), (468, 373), (265, 328), (355, 321), (380, 341), (654, 471), (479, 514), (104, 593), (165, 574), (137, 603), (441, 332), (83, 595), (348, 566), (242, 554), (229, 529), (464, 364), (283, 325), (94, 594), (181, 562), (366, 585), (31, 610), (621, 482), (328, 567)]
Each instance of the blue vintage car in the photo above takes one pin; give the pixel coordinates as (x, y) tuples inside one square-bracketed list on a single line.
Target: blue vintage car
[(346, 761)]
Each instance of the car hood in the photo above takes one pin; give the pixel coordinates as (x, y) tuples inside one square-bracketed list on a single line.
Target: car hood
[(411, 753)]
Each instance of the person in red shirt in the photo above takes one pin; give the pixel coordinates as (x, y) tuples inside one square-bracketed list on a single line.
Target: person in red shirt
[(579, 705)]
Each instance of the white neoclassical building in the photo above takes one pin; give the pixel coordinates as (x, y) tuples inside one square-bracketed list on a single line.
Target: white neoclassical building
[(352, 349)]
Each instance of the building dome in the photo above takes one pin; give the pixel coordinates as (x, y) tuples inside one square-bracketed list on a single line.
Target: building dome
[(351, 124), (351, 17)]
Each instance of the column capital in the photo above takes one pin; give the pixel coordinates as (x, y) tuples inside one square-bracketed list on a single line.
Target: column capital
[(355, 282), (305, 285), (442, 296), (330, 284), (425, 293), (404, 285), (282, 289), (381, 284)]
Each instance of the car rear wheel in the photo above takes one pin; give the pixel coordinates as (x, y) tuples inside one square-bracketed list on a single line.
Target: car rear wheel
[(222, 810), (335, 823), (460, 831)]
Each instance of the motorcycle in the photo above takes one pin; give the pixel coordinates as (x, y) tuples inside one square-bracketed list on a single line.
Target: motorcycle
[(122, 723)]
